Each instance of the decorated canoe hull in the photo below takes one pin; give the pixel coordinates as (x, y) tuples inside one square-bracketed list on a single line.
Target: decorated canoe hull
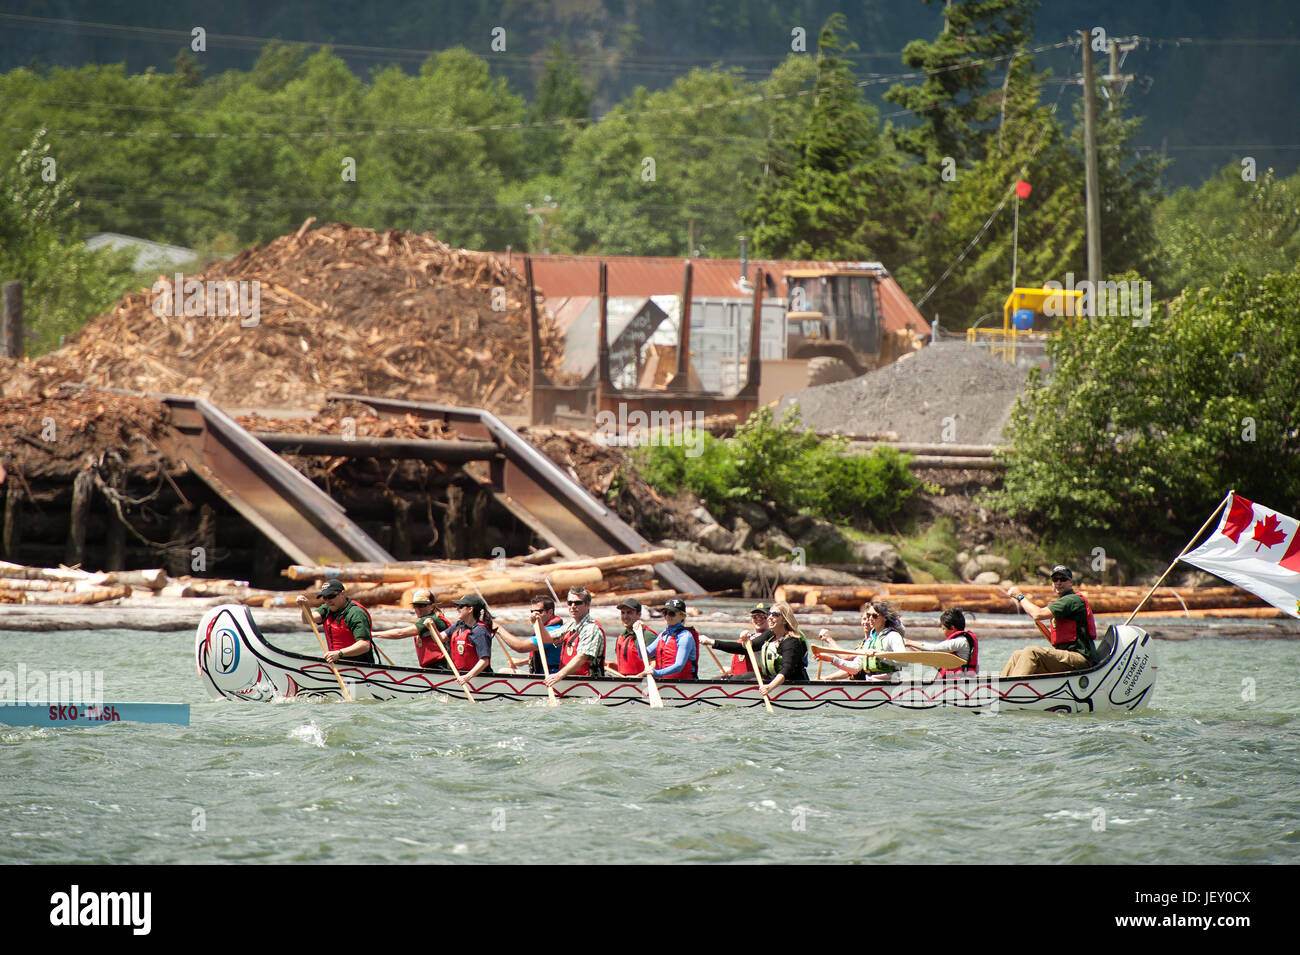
[(236, 661)]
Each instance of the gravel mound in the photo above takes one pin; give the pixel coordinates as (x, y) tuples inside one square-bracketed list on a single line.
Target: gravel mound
[(913, 397)]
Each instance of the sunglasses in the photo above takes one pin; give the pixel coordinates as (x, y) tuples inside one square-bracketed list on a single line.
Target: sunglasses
[(419, 603), (577, 603)]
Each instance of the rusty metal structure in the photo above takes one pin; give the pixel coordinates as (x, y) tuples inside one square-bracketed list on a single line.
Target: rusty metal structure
[(247, 472), (598, 393)]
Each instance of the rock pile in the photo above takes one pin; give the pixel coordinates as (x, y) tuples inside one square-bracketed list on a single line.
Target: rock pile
[(916, 396)]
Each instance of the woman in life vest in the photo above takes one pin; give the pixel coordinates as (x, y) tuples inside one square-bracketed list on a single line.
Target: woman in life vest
[(675, 653), (957, 640), (780, 651), (346, 625), (428, 620), (627, 650), (882, 630), (469, 641)]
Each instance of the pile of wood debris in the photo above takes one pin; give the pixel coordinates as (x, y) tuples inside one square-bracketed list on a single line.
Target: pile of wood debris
[(339, 308), (58, 436)]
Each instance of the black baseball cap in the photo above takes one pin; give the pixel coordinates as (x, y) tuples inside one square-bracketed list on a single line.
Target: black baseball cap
[(631, 603), (674, 605), (764, 609), (332, 588), (470, 600), (1060, 570)]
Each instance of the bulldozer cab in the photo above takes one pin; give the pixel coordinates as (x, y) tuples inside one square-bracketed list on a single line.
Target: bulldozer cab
[(834, 313)]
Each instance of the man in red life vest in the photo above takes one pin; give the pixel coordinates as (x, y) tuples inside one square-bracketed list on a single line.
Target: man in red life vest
[(739, 661), (957, 640), (1073, 633), (346, 625), (627, 652), (582, 641)]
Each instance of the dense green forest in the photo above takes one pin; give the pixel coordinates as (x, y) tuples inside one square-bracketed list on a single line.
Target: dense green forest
[(820, 155)]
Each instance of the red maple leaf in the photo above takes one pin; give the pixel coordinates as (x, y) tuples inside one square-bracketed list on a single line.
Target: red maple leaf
[(1267, 532)]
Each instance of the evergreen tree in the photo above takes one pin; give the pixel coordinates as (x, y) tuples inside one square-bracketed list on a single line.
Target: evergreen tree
[(837, 190), (953, 111)]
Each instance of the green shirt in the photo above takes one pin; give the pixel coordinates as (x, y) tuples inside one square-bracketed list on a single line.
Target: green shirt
[(431, 623), (1071, 607)]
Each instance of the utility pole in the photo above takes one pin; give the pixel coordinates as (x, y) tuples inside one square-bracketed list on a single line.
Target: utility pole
[(1093, 197)]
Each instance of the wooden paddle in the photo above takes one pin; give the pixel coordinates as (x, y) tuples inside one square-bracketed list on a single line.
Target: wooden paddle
[(762, 687), (454, 669), (321, 640), (656, 701), (927, 658), (546, 669)]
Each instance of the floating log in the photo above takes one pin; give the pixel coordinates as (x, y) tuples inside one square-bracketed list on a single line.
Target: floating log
[(93, 596), (648, 598)]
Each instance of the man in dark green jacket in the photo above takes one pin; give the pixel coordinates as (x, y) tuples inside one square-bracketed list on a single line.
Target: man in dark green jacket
[(1073, 633)]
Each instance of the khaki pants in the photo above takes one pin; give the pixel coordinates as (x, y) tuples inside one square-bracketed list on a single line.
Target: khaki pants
[(1033, 660)]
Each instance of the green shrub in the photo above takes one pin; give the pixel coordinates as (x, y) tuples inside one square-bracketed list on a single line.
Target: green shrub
[(1144, 429), (783, 463)]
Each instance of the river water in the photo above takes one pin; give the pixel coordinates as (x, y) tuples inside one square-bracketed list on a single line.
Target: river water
[(1208, 774)]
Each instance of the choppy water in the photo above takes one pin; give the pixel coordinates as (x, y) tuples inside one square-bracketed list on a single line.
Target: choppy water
[(1208, 775)]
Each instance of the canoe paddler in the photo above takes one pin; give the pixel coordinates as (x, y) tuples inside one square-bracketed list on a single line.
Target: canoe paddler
[(781, 650), (346, 625), (469, 641), (627, 652), (428, 619), (957, 640), (881, 630), (1073, 633), (582, 641), (740, 661), (540, 611), (675, 653)]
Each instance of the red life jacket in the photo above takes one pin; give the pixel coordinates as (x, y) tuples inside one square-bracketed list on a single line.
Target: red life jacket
[(426, 648), (666, 655), (1064, 633), (740, 662), (627, 654), (569, 650), (339, 636), (461, 649), (970, 668)]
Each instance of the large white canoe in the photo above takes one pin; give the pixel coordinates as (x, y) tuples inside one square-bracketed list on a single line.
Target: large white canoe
[(236, 661)]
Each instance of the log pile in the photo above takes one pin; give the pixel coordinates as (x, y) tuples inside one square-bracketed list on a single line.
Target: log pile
[(500, 582), (69, 585), (340, 308), (975, 598)]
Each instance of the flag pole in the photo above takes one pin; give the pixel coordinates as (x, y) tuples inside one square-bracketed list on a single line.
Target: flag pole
[(1177, 559)]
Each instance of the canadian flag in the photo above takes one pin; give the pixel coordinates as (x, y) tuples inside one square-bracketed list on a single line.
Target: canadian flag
[(1258, 550)]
